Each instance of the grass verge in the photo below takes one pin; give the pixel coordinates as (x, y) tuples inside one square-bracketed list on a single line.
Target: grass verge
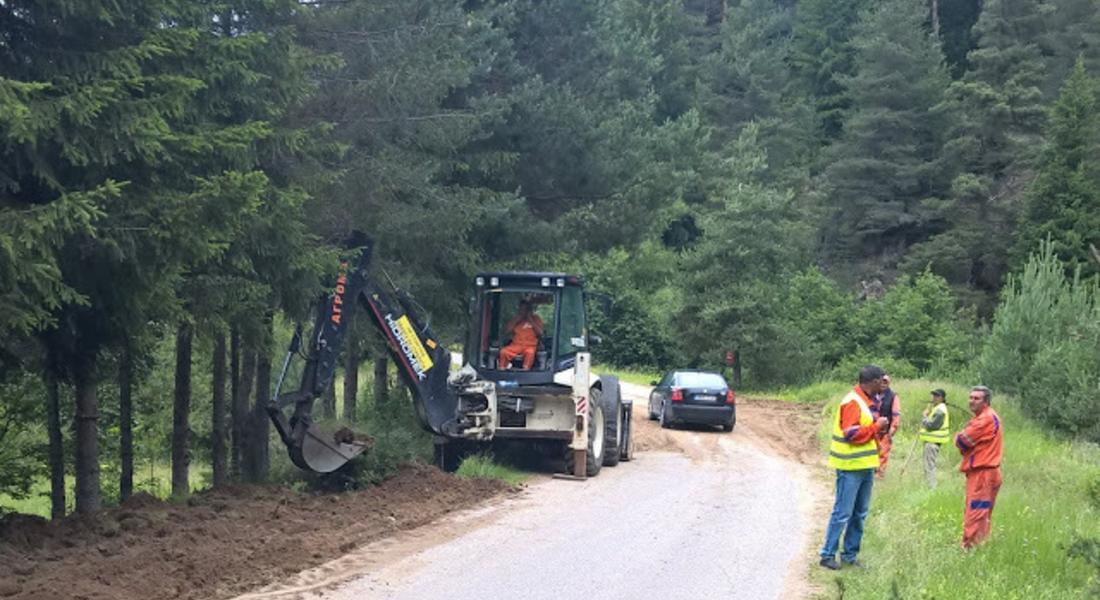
[(628, 375), (483, 466), (912, 536)]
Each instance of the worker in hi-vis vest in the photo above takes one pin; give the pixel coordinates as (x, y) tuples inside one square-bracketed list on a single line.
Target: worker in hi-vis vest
[(853, 452), (935, 430)]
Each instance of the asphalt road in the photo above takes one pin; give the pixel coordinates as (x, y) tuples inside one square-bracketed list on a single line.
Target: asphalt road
[(702, 514)]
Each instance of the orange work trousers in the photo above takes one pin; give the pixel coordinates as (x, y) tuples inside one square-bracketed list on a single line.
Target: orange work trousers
[(885, 443), (511, 351), (982, 486)]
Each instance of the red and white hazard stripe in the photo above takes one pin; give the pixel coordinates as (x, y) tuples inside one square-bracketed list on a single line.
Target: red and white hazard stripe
[(582, 405)]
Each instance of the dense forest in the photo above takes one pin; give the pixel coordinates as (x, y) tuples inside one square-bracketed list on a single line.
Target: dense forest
[(812, 183)]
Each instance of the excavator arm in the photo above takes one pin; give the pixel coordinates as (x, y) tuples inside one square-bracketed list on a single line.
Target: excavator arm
[(421, 360)]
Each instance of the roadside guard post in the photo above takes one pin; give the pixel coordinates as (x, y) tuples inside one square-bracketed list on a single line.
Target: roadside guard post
[(580, 399)]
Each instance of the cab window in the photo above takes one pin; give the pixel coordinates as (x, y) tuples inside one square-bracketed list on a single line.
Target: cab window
[(574, 335)]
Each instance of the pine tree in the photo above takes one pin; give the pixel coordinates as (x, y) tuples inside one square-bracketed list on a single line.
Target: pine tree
[(885, 170), (1073, 33), (1063, 202), (133, 145), (754, 238), (746, 79), (997, 115), (823, 53)]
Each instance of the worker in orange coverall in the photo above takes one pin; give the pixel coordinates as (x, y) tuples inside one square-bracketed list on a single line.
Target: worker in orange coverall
[(981, 447), (886, 404), (525, 327)]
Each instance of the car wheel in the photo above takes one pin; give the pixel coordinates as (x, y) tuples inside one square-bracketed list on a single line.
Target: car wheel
[(727, 427), (666, 421)]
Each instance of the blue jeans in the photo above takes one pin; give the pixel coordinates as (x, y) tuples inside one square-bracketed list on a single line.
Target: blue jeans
[(853, 500)]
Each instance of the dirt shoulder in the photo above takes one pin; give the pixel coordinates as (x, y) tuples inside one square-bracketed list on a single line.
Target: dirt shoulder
[(220, 543)]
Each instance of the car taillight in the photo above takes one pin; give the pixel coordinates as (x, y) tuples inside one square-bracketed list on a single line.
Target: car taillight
[(730, 398), (677, 395)]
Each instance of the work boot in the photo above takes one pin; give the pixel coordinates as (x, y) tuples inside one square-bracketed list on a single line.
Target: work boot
[(830, 563)]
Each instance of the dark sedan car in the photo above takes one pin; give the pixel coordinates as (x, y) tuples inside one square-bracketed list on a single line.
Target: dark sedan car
[(698, 397)]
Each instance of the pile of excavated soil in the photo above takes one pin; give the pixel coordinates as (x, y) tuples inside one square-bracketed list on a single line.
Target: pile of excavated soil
[(788, 428), (221, 543)]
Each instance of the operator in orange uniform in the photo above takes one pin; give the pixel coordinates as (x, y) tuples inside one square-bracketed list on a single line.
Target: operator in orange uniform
[(981, 447), (525, 327), (886, 404)]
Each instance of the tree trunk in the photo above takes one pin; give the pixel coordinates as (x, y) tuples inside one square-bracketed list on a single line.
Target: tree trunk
[(936, 18), (260, 423), (88, 498), (328, 399), (57, 446), (381, 383), (716, 11), (351, 380), (181, 412), (126, 421), (241, 413), (235, 403), (217, 426)]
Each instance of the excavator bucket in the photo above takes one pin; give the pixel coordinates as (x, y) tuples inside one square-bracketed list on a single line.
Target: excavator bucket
[(422, 360), (324, 451)]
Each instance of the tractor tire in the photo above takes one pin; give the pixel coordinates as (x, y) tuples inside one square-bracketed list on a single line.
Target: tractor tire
[(596, 446), (613, 420)]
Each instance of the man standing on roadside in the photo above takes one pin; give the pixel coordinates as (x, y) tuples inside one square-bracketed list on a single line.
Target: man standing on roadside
[(853, 452), (981, 447), (935, 428), (886, 404)]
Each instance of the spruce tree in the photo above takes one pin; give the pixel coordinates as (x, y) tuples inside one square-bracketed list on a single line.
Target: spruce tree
[(746, 79), (1063, 202), (997, 113), (884, 173), (823, 53)]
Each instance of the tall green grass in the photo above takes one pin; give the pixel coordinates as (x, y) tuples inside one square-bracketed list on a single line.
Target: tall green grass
[(628, 375), (483, 466), (911, 546), (154, 479)]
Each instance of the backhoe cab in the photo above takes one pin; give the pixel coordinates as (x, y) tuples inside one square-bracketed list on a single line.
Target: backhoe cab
[(556, 299), (551, 399)]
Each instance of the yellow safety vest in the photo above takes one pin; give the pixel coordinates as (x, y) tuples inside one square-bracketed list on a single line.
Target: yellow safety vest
[(941, 435), (844, 455)]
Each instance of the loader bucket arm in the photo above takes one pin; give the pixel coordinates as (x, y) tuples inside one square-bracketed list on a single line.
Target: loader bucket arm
[(422, 361)]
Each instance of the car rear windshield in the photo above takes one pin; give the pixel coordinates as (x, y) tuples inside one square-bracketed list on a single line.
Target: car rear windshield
[(704, 380)]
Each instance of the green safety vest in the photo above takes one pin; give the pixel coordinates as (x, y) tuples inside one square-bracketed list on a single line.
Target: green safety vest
[(845, 456), (941, 435)]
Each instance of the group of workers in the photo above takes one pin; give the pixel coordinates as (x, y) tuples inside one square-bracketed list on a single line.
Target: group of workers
[(863, 429)]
